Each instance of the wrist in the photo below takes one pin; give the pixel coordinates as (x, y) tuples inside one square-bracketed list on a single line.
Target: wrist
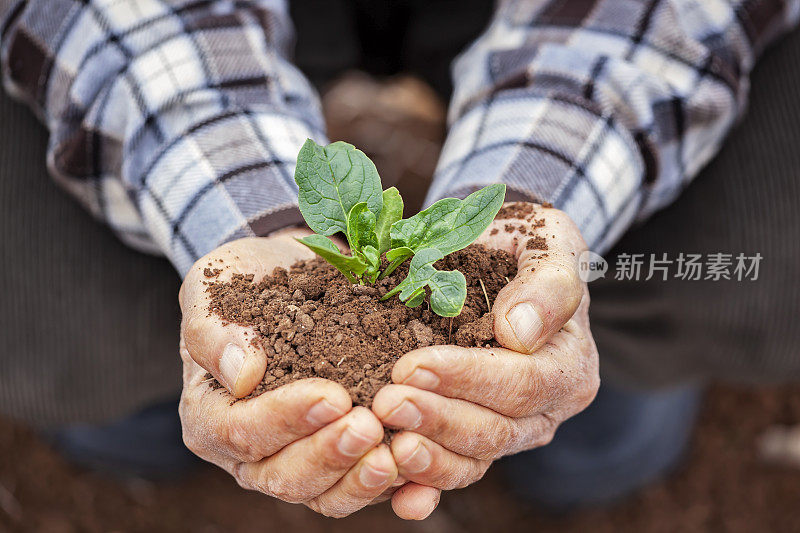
[(299, 231), (295, 230)]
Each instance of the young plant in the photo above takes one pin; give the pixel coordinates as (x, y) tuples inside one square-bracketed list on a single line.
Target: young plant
[(341, 192)]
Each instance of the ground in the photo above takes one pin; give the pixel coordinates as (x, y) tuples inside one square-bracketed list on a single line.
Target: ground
[(724, 485)]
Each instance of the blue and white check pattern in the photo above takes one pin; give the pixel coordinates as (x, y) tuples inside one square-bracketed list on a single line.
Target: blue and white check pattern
[(177, 122), (604, 108)]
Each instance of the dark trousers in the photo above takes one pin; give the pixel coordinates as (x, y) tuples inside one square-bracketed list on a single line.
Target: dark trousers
[(89, 327)]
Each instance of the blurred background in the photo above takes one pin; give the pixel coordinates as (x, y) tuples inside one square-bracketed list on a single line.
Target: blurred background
[(742, 472), (728, 483)]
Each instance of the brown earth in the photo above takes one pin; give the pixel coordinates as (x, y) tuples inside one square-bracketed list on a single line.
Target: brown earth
[(313, 322)]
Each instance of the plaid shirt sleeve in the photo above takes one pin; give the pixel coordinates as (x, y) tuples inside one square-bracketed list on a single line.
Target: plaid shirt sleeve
[(176, 122), (604, 108)]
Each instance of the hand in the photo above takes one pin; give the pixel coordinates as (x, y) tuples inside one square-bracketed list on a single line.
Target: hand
[(301, 442), (462, 408)]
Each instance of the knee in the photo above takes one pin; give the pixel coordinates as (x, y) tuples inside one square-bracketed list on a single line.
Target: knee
[(621, 443)]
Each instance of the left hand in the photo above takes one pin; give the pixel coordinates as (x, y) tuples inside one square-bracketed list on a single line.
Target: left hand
[(462, 408)]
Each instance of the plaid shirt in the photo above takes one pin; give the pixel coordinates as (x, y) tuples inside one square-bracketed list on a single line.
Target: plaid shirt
[(177, 122)]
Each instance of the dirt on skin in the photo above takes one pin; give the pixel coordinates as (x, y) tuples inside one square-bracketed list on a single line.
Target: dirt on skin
[(312, 322)]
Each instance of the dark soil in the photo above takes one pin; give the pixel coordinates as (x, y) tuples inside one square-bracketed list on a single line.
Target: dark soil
[(537, 243), (313, 322), (516, 210)]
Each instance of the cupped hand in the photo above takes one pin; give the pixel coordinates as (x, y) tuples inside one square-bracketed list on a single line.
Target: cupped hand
[(462, 408), (301, 443)]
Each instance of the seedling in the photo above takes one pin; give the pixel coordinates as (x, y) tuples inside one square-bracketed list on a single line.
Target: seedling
[(341, 191)]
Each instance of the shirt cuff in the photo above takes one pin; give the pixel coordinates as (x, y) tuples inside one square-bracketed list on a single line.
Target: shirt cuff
[(547, 149), (229, 176)]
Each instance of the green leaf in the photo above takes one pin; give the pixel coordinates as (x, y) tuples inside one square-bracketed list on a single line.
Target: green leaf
[(372, 256), (396, 256), (373, 259), (350, 266), (399, 253), (450, 224), (416, 299), (448, 289), (392, 212), (448, 293), (361, 227), (332, 179)]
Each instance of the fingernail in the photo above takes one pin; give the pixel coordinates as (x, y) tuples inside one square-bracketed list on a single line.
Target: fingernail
[(422, 379), (526, 324), (372, 477), (352, 443), (405, 416), (230, 365), (418, 461), (399, 480), (322, 413)]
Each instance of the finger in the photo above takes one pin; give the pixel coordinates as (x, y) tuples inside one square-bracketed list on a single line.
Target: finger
[(308, 467), (374, 474), (388, 493), (510, 383), (547, 289), (460, 426), (225, 433), (423, 461), (226, 350), (415, 502)]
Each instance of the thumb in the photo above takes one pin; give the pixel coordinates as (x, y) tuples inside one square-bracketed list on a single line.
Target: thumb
[(227, 350), (547, 289)]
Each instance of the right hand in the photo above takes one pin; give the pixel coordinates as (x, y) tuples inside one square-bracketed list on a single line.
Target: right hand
[(301, 443)]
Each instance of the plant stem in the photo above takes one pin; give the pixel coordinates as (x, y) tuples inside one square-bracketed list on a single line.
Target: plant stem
[(485, 294), (450, 331), (391, 293), (392, 266)]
